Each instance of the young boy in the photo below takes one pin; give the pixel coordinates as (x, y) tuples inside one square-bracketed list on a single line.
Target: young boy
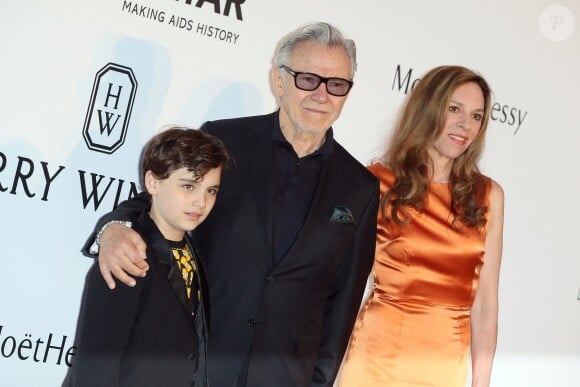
[(154, 334)]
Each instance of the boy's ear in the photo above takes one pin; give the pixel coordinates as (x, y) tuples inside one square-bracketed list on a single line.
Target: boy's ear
[(151, 182)]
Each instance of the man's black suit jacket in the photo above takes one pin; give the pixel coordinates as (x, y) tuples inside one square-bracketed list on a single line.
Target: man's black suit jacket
[(284, 324)]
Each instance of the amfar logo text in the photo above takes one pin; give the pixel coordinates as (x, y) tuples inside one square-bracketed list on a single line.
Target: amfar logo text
[(237, 5), (110, 108)]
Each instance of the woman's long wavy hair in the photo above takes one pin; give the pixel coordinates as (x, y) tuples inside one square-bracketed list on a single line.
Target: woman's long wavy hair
[(420, 123)]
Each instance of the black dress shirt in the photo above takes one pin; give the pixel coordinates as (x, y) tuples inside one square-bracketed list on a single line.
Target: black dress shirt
[(295, 180)]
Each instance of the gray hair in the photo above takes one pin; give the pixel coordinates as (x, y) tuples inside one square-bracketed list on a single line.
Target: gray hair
[(317, 32)]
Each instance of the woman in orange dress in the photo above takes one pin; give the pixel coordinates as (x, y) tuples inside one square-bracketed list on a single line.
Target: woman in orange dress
[(439, 243)]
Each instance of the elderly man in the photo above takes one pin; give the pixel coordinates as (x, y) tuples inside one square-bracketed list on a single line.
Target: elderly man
[(290, 243)]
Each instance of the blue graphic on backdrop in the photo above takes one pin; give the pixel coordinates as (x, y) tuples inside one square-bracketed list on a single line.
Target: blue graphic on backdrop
[(50, 204), (58, 201)]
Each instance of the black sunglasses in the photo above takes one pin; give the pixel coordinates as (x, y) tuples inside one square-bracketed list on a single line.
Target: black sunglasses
[(309, 82)]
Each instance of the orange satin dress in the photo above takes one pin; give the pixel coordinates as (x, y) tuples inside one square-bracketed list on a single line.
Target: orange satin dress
[(414, 328)]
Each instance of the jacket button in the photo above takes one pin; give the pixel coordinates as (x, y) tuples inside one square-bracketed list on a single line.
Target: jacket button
[(252, 322), (191, 356), (269, 279)]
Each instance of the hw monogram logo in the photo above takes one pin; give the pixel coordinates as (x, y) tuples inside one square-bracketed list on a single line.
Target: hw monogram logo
[(110, 108)]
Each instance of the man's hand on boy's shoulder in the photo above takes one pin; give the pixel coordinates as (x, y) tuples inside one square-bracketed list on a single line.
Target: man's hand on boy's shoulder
[(122, 255)]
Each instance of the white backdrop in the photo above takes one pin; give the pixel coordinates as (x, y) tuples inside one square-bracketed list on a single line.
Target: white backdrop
[(53, 186)]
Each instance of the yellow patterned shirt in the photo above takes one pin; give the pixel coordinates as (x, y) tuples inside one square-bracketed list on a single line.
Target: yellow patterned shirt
[(186, 265)]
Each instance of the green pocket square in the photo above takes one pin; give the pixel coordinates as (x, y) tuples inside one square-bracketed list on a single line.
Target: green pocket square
[(341, 214)]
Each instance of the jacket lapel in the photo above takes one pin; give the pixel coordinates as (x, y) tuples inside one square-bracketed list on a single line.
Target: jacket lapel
[(176, 280), (260, 170), (162, 250)]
